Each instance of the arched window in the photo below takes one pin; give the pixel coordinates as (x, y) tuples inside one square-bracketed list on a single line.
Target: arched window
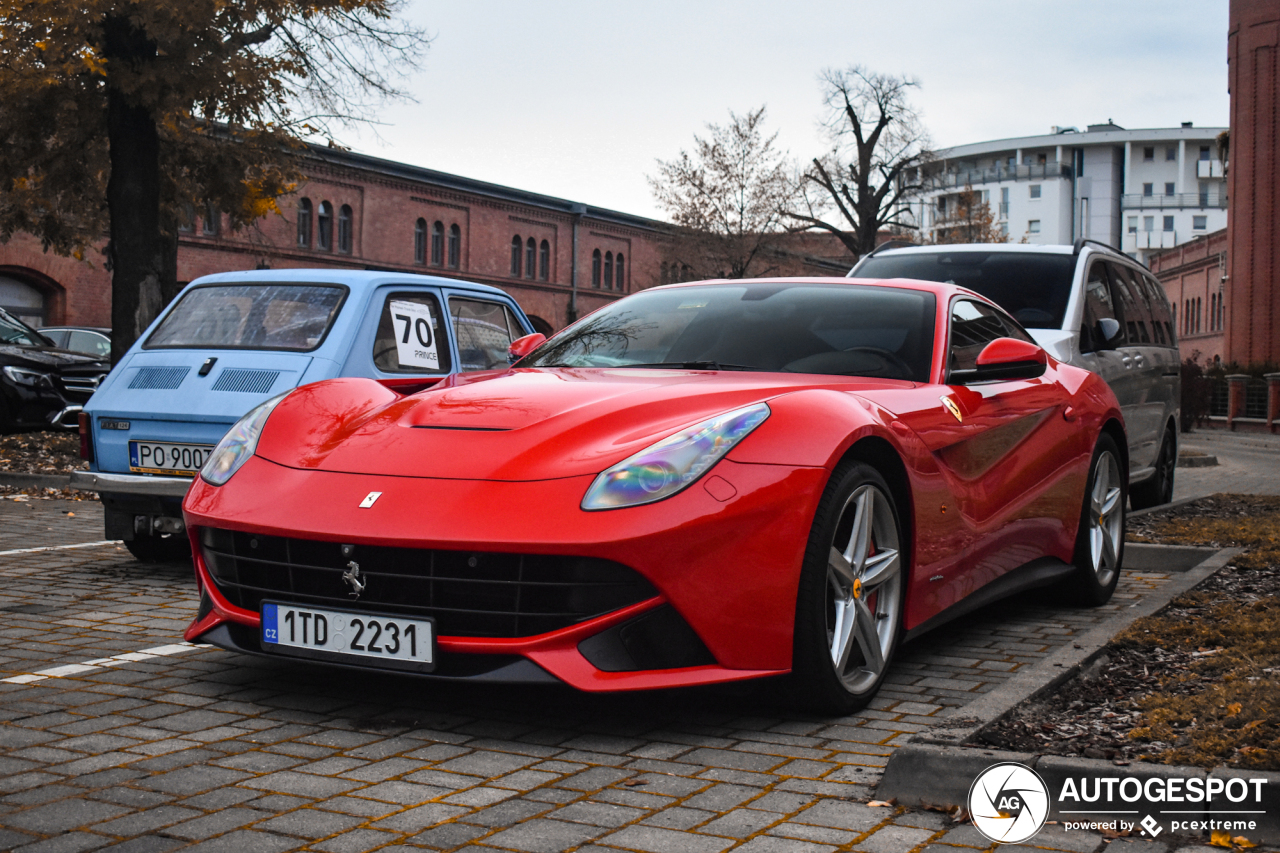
[(455, 245), (517, 247), (665, 273), (420, 241), (324, 227), (187, 218), (621, 276), (344, 229), (304, 223), (608, 270), (544, 261), (531, 258), (437, 244), (595, 268), (211, 219)]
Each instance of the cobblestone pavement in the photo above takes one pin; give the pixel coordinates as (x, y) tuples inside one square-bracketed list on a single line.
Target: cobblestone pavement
[(116, 736), (1247, 464)]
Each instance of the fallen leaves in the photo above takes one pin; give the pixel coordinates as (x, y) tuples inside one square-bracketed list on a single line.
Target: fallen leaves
[(1222, 838)]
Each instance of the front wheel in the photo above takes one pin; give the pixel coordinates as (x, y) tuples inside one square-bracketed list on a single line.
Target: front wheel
[(1158, 488), (1100, 540), (849, 607)]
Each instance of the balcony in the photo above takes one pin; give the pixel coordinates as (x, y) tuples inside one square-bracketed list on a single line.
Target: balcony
[(1138, 240), (1026, 172), (1215, 199), (1208, 168)]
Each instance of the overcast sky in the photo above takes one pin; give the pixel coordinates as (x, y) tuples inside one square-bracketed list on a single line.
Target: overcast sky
[(577, 98)]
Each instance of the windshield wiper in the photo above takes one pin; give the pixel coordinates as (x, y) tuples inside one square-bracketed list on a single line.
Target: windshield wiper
[(695, 365)]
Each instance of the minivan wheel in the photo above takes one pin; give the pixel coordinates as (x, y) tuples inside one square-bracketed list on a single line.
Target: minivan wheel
[(1158, 488)]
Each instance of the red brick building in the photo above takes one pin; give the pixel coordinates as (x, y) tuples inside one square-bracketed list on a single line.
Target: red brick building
[(1253, 184), (362, 212), (1194, 277)]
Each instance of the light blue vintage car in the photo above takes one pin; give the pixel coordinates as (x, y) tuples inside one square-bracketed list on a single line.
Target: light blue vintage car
[(231, 341)]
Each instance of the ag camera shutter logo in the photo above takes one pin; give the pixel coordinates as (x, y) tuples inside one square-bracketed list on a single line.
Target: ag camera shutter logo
[(1008, 802)]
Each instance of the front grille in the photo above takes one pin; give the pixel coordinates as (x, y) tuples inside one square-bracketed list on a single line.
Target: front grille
[(244, 379), (82, 383), (159, 378), (470, 594)]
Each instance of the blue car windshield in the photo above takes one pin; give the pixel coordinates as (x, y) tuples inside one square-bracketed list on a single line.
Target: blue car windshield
[(832, 329), (293, 317)]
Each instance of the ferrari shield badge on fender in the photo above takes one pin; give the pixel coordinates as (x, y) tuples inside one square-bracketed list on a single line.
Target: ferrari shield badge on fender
[(373, 496), (951, 407)]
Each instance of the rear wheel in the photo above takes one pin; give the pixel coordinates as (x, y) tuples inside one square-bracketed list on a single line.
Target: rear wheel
[(1158, 488), (166, 548), (849, 607), (1100, 540)]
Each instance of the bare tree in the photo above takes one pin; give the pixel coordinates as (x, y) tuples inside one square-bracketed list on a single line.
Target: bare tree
[(968, 220), (729, 197), (877, 145)]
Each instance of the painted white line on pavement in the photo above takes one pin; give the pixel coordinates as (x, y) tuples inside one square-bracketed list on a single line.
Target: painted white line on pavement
[(114, 660), (61, 547)]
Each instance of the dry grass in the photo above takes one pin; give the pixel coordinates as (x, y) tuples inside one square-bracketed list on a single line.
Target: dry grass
[(1225, 707)]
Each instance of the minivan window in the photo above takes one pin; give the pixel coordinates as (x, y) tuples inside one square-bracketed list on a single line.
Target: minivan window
[(1034, 288), (1137, 314), (1098, 305), (485, 330), (290, 317), (411, 338)]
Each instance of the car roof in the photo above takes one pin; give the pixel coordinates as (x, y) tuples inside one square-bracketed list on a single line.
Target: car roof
[(354, 279), (941, 289), (1013, 248), (100, 329)]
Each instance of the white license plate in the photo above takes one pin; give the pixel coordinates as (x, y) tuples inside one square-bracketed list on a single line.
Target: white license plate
[(336, 634), (162, 457)]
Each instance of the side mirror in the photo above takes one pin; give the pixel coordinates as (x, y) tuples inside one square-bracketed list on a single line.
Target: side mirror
[(1108, 332), (1004, 359), (521, 347)]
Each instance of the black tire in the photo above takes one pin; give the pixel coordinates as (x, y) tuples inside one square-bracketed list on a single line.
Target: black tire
[(169, 548), (849, 605), (1099, 553), (1158, 488)]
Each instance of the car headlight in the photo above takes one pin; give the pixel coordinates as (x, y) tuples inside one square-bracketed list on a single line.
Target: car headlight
[(30, 378), (238, 444), (665, 468)]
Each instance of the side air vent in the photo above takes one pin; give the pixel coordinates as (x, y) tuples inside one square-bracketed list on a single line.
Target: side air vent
[(159, 378), (249, 381)]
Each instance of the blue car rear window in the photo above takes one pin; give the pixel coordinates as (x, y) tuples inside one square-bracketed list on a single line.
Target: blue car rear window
[(292, 317)]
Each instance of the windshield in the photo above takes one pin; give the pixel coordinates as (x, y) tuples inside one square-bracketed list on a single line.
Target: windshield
[(842, 330), (14, 331), (251, 316), (1032, 287)]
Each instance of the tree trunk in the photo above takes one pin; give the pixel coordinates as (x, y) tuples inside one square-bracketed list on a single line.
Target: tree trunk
[(138, 247)]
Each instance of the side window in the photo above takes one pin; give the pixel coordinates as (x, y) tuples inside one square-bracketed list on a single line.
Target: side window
[(1161, 316), (1099, 304), (90, 342), (410, 338), (484, 330), (1137, 311), (973, 326)]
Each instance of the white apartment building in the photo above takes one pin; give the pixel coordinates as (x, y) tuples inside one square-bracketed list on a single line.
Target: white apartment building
[(1136, 190)]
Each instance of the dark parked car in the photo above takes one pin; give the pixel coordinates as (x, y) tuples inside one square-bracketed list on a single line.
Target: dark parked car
[(92, 340), (41, 385)]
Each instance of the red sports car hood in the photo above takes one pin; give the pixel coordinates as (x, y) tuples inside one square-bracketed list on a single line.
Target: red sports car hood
[(531, 424)]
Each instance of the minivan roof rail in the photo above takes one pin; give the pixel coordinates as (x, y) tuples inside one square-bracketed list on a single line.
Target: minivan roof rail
[(887, 244), (1080, 241)]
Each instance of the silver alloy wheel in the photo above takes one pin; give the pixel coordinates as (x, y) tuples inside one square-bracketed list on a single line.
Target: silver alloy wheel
[(864, 588), (1106, 518)]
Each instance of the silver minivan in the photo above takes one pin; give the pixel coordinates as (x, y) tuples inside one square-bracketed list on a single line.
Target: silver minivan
[(1087, 305)]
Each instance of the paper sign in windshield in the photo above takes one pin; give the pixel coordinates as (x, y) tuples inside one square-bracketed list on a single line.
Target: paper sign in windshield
[(415, 335)]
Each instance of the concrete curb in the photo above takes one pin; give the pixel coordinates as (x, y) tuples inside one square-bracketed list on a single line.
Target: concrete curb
[(23, 481), (1134, 513), (937, 767)]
